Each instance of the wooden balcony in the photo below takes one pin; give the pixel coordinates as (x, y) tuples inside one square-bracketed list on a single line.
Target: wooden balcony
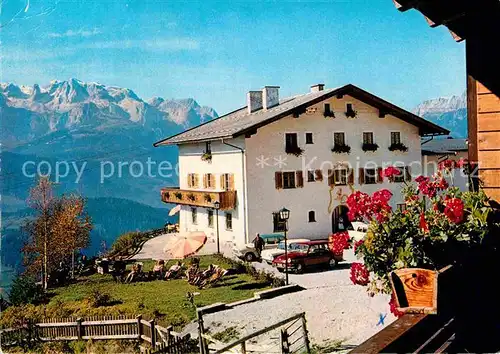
[(197, 198)]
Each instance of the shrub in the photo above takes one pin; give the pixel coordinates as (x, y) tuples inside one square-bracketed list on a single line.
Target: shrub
[(25, 290), (127, 243), (207, 156), (369, 147), (98, 298)]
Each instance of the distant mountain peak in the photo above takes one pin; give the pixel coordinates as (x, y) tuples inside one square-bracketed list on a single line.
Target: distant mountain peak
[(448, 112), (73, 104)]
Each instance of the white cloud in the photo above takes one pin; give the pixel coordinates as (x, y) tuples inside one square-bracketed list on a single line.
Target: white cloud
[(172, 44), (78, 33)]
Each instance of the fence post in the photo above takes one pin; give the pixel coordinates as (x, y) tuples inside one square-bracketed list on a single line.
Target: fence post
[(201, 333), (169, 335), (285, 346), (153, 333), (243, 348), (139, 327), (306, 334), (79, 328)]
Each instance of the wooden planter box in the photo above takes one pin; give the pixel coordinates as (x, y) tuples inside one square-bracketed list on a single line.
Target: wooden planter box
[(420, 290)]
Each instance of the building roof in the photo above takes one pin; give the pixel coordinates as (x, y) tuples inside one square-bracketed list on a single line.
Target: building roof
[(444, 146), (240, 122), (460, 16)]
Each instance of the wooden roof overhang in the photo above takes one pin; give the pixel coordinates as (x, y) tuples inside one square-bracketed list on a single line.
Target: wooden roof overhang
[(462, 17)]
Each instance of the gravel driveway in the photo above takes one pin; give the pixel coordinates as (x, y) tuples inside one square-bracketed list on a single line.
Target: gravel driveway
[(335, 308)]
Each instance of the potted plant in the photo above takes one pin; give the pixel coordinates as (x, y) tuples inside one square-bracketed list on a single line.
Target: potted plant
[(294, 150), (207, 197), (351, 113), (178, 195), (191, 197), (207, 156), (398, 147), (408, 252), (369, 147), (328, 113), (341, 149)]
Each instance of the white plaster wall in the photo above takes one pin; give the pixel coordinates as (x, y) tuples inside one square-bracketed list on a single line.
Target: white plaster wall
[(225, 159), (457, 178), (263, 198)]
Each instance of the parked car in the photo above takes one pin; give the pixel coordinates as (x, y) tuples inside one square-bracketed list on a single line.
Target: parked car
[(249, 253), (359, 230), (270, 254), (308, 254)]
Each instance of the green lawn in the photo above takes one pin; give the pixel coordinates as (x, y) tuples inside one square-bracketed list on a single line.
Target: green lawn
[(165, 300)]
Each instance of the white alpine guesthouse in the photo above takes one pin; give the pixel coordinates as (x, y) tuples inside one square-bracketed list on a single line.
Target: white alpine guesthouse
[(306, 153)]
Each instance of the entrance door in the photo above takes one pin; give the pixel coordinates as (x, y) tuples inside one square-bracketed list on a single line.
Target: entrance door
[(340, 221)]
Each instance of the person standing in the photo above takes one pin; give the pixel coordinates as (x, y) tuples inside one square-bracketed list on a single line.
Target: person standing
[(258, 243)]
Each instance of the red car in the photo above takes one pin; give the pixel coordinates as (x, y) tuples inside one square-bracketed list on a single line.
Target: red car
[(308, 254)]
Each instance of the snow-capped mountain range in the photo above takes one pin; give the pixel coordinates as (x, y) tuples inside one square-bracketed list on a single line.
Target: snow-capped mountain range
[(33, 111), (449, 112)]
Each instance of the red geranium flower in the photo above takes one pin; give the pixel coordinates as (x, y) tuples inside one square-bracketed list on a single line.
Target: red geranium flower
[(423, 224), (391, 171), (421, 179), (446, 165), (359, 274), (454, 210), (393, 308), (382, 195), (338, 242), (462, 163)]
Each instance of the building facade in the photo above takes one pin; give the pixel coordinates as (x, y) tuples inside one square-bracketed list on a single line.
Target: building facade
[(306, 153)]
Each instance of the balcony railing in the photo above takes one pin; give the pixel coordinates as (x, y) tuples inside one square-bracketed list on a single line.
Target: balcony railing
[(206, 199)]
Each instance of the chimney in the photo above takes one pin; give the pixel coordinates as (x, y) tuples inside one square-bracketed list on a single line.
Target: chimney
[(317, 87), (270, 96), (254, 101)]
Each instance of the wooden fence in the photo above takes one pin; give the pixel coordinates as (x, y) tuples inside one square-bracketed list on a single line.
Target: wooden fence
[(293, 339), (161, 339)]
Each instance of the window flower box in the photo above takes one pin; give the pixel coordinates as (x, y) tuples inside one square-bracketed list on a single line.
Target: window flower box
[(351, 113), (294, 150), (178, 195), (207, 197), (191, 197), (341, 149), (369, 147), (329, 113), (398, 147)]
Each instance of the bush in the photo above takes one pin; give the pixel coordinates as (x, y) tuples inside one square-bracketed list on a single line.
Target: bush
[(98, 298), (126, 244), (25, 290)]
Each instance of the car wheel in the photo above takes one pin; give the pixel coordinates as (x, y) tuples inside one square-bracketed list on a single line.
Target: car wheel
[(300, 268), (250, 257), (332, 263)]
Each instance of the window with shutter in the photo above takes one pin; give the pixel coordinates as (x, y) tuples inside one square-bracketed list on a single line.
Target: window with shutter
[(229, 221), (210, 216), (361, 177), (205, 181), (231, 182), (291, 141), (350, 177), (189, 180), (339, 139), (195, 180), (310, 176), (225, 181), (319, 175), (340, 176), (395, 138), (331, 178), (278, 179), (407, 174), (367, 138), (212, 181), (370, 175), (194, 216), (288, 180), (309, 138), (380, 175), (399, 178), (300, 179)]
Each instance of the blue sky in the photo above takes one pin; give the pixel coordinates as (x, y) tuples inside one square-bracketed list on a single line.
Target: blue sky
[(216, 51)]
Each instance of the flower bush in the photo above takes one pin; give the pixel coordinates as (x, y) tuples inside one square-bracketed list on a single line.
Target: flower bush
[(339, 242), (439, 226)]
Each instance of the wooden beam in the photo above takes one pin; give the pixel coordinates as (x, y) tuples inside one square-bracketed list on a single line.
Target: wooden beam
[(472, 116)]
